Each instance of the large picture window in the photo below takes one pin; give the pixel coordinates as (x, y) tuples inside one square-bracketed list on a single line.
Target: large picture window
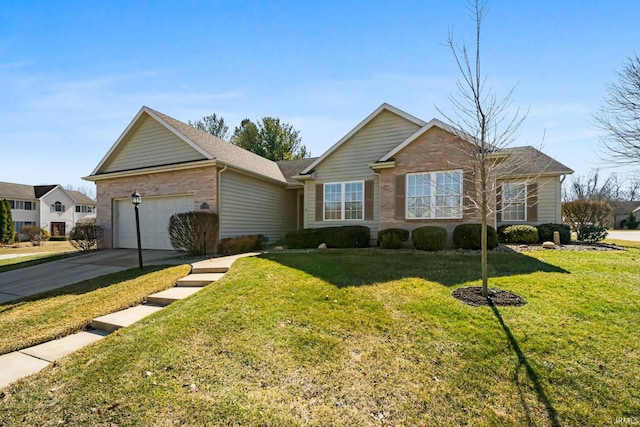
[(514, 201), (434, 195), (344, 201)]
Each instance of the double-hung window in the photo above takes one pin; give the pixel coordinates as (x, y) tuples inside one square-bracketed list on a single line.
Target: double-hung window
[(344, 201), (514, 201), (434, 195), (57, 207)]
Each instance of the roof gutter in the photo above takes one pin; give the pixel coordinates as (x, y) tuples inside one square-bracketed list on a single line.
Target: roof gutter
[(154, 169)]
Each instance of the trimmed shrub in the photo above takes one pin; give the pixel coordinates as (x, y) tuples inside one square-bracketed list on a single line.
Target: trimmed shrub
[(591, 234), (582, 213), (241, 244), (631, 222), (502, 238), (33, 233), (545, 233), (521, 233), (392, 238), (350, 236), (302, 239), (429, 238), (468, 236), (86, 235), (194, 232)]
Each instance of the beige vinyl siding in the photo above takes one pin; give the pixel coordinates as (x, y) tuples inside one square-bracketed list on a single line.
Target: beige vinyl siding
[(151, 144), (250, 205), (549, 200), (350, 162)]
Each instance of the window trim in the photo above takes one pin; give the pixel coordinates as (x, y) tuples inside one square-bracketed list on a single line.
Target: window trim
[(342, 201), (433, 194), (525, 200)]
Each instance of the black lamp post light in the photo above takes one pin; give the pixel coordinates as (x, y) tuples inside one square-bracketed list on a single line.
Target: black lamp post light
[(136, 200)]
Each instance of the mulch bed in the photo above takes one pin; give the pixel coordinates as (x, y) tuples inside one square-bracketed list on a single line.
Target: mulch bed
[(472, 295)]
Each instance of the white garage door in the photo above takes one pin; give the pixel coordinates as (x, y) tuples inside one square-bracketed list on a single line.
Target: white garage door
[(154, 221)]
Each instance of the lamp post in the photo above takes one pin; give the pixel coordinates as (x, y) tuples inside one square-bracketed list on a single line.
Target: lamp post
[(136, 200)]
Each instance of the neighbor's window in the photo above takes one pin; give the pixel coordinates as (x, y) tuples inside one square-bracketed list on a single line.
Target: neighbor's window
[(18, 225), (434, 195), (514, 198), (84, 209), (344, 200), (57, 207)]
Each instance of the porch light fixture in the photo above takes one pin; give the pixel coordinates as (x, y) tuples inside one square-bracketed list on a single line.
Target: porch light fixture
[(136, 200)]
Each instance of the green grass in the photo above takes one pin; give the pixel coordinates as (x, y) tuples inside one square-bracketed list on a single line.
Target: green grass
[(623, 243), (360, 337), (46, 252), (49, 315)]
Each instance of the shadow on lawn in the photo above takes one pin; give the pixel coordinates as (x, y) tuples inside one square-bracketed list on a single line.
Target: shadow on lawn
[(370, 266), (523, 362)]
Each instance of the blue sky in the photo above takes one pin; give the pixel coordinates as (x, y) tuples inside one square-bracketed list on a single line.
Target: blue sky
[(74, 73)]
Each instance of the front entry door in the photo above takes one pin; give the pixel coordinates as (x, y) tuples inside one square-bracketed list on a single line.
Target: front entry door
[(57, 228)]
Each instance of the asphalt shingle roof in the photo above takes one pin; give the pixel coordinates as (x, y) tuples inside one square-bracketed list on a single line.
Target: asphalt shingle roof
[(225, 151), (80, 198), (528, 161), (291, 168), (9, 190)]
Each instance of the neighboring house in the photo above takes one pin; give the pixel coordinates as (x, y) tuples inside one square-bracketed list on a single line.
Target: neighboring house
[(621, 211), (50, 207), (391, 170)]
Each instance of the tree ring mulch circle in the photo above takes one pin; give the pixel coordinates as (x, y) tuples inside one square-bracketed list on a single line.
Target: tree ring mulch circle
[(472, 295)]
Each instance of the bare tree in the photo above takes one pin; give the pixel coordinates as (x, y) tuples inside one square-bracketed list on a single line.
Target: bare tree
[(619, 116), (593, 187), (633, 188), (485, 120)]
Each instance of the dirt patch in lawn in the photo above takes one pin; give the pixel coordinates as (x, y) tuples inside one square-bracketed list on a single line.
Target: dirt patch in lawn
[(472, 295)]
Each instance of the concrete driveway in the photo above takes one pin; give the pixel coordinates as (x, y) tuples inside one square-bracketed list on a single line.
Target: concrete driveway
[(633, 235), (51, 275)]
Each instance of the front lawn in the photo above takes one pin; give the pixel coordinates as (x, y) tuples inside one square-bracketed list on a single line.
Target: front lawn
[(27, 247), (53, 314), (33, 255), (365, 337)]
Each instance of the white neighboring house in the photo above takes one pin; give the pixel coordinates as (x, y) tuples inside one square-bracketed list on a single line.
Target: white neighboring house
[(48, 206)]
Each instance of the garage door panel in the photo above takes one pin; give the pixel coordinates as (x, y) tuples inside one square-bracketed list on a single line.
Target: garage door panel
[(154, 221)]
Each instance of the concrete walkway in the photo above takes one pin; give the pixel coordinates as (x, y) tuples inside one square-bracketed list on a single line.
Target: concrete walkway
[(28, 361)]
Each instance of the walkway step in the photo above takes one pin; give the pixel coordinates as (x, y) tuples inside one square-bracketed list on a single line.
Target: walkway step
[(16, 365), (57, 349), (196, 269), (121, 319), (199, 279), (172, 295)]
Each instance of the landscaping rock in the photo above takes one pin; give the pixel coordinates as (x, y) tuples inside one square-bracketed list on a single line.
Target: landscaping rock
[(556, 238), (548, 245), (278, 248), (322, 246)]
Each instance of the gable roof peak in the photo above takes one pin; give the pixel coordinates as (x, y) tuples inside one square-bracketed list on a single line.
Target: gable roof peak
[(209, 146), (383, 107)]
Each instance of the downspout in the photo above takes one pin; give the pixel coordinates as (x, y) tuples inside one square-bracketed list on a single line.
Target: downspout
[(562, 178), (379, 195), (218, 204)]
